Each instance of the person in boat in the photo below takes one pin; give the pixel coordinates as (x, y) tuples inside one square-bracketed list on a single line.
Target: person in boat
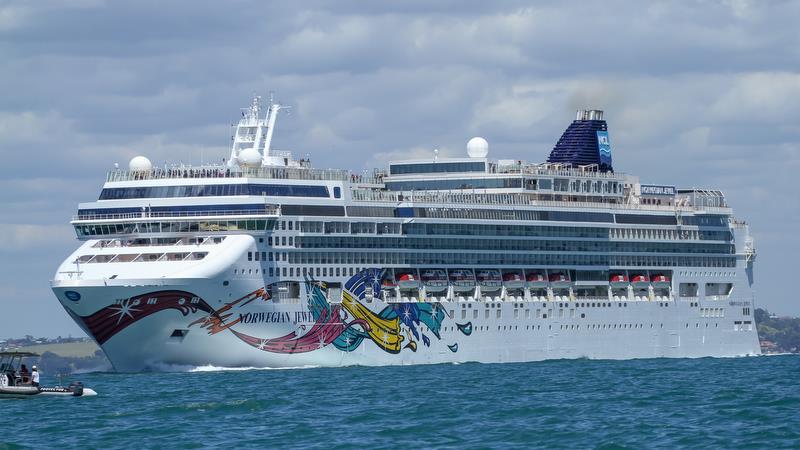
[(35, 377), (24, 374)]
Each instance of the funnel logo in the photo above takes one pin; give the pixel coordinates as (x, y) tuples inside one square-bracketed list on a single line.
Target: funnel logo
[(72, 295), (604, 147)]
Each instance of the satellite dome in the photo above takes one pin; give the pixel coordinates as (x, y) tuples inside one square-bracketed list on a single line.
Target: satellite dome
[(140, 164), (477, 147), (249, 157)]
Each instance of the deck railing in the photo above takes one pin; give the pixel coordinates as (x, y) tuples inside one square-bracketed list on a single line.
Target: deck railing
[(146, 215), (440, 198), (218, 171)]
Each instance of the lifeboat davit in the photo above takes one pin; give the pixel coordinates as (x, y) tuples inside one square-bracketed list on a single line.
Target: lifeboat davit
[(513, 280), (536, 280), (660, 280), (619, 280), (640, 280), (489, 279), (462, 279), (407, 280), (559, 280), (434, 279)]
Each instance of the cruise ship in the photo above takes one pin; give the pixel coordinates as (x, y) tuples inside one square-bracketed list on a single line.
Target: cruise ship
[(266, 261)]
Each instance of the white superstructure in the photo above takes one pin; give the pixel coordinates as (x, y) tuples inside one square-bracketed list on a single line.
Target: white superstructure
[(265, 261)]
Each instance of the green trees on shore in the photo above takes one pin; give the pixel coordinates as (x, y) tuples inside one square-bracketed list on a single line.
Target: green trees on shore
[(783, 332)]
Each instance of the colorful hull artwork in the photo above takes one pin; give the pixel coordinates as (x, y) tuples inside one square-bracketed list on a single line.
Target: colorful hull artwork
[(345, 326)]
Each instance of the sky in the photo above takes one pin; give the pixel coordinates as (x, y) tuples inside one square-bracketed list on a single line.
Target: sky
[(696, 94)]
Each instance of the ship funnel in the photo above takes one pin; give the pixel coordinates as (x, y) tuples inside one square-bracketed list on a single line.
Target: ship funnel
[(584, 143), (589, 114)]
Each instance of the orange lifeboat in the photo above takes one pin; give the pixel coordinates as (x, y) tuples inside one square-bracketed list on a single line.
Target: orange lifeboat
[(619, 280), (559, 279), (660, 280), (640, 280), (513, 280), (407, 280), (536, 279)]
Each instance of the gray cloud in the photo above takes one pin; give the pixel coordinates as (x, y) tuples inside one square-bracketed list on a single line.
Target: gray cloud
[(701, 93)]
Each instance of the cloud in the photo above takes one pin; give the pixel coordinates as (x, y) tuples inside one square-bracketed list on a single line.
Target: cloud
[(32, 237), (696, 94)]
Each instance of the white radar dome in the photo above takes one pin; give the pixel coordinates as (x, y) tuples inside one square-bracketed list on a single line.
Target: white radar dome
[(249, 157), (140, 164), (477, 147)]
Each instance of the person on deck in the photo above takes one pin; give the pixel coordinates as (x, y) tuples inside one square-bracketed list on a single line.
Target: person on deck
[(35, 377), (24, 374)]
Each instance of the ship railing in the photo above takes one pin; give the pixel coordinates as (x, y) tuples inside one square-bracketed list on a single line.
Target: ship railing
[(540, 170), (220, 171), (268, 211), (511, 199)]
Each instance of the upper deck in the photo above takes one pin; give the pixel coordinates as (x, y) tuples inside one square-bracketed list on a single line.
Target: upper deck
[(223, 171), (258, 180)]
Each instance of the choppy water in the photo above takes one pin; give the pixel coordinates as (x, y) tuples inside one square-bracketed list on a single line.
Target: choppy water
[(718, 403)]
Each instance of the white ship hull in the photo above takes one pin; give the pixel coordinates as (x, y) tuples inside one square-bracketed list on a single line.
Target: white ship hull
[(172, 324)]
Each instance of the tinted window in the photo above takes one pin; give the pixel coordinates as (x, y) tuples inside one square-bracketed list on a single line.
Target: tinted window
[(401, 169), (646, 219)]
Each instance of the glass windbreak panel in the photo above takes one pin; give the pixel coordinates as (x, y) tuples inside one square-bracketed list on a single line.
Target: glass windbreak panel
[(561, 184), (214, 190), (437, 167), (370, 211), (705, 221), (480, 183)]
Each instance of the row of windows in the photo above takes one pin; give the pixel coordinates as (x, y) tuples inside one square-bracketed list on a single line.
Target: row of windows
[(510, 259), (442, 213), (337, 242), (585, 186), (142, 257), (712, 312), (554, 231), (436, 185), (213, 190), (511, 214), (706, 221), (437, 167), (174, 227), (594, 326), (160, 241), (669, 234), (505, 214), (309, 226)]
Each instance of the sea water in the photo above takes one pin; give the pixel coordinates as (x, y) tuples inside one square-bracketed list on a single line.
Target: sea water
[(658, 403)]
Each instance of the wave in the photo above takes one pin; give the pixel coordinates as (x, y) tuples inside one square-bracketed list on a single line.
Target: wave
[(210, 368)]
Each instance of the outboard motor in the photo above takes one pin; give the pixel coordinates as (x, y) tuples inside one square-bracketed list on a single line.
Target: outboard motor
[(76, 387)]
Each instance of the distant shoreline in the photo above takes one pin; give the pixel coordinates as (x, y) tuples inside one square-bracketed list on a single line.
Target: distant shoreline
[(74, 355)]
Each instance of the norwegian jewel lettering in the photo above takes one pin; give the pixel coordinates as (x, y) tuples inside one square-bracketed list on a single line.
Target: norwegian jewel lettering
[(652, 189), (276, 317)]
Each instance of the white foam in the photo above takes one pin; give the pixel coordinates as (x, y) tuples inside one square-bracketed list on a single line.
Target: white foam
[(242, 369)]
